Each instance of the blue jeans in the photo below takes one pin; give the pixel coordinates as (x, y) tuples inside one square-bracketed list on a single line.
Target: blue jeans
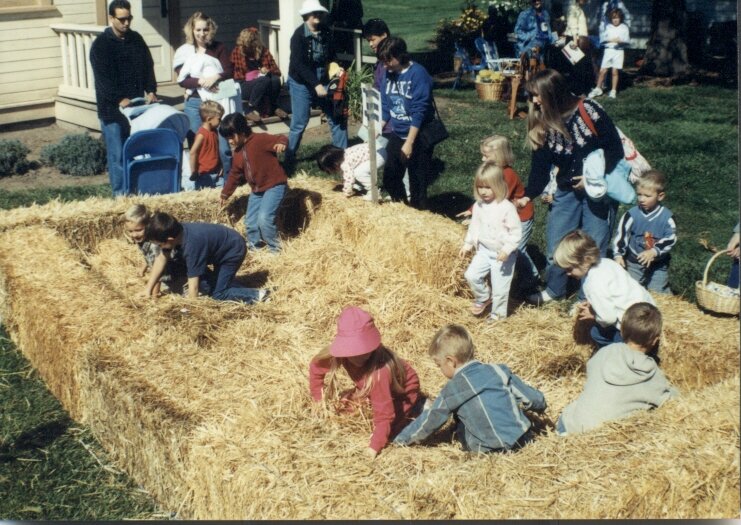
[(115, 133), (733, 275), (301, 101), (223, 287), (259, 221), (572, 210), (524, 262), (605, 335), (654, 278), (192, 106)]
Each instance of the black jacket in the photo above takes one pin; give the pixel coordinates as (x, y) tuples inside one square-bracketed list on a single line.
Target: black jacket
[(123, 68), (302, 67)]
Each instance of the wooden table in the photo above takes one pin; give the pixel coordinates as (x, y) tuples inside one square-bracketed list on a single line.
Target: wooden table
[(514, 82)]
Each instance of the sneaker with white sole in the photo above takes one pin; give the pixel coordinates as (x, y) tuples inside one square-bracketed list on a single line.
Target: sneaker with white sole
[(263, 296), (539, 298), (612, 94), (596, 92)]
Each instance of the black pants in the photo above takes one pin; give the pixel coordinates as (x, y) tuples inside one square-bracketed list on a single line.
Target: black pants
[(419, 167), (254, 91)]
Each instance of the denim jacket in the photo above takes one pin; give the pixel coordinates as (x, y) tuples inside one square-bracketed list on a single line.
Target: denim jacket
[(526, 30), (488, 401)]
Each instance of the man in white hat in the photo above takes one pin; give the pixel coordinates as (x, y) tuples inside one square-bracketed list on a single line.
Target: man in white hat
[(311, 52)]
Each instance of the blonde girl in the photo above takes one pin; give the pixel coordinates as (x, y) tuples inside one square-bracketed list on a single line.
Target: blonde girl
[(136, 220), (389, 383), (495, 231), (497, 149), (257, 73)]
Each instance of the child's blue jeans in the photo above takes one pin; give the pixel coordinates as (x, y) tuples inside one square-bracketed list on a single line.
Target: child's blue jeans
[(259, 221), (654, 278)]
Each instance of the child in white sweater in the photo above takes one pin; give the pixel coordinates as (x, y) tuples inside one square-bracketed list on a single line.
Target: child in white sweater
[(622, 377), (495, 231), (608, 288)]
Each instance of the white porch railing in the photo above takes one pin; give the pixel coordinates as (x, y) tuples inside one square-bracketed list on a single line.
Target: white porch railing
[(269, 30), (77, 73)]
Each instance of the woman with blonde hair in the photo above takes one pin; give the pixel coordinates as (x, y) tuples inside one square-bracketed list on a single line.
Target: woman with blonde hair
[(257, 73), (559, 136), (200, 30)]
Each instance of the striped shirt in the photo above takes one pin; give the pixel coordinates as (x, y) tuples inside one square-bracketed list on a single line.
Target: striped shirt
[(488, 400), (639, 231)]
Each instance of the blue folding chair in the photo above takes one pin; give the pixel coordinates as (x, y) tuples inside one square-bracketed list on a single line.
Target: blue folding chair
[(152, 160), (489, 53), (466, 65)]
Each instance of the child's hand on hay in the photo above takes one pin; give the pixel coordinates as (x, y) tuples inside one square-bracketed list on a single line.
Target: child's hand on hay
[(620, 261), (585, 312), (279, 148), (143, 270), (646, 257)]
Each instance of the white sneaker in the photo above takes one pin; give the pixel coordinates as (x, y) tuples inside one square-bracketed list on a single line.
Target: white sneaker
[(596, 92), (612, 94), (539, 298), (263, 296)]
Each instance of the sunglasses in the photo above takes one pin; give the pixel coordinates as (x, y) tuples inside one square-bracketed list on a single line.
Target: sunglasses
[(124, 19)]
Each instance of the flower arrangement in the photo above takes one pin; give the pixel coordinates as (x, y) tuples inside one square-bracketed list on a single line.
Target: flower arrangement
[(507, 9), (463, 29)]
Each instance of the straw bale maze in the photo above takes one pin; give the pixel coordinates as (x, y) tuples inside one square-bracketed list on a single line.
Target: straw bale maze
[(208, 409)]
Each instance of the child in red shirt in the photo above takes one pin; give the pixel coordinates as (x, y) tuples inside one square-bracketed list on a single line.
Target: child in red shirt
[(390, 384), (255, 162), (205, 164)]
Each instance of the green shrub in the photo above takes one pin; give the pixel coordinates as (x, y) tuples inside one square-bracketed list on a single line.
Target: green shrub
[(354, 94), (78, 155), (13, 157)]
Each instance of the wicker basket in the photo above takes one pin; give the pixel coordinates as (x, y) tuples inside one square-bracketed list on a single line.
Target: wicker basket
[(490, 90), (713, 300)]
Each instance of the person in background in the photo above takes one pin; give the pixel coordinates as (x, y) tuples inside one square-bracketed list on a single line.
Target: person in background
[(311, 52), (200, 31), (123, 70), (205, 163), (533, 31), (354, 165), (614, 39), (407, 104), (259, 76)]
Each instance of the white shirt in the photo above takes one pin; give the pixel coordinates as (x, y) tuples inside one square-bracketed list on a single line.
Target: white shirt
[(611, 290), (495, 225)]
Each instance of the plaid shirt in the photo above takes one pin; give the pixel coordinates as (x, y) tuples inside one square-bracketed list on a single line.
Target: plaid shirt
[(488, 401), (242, 65)]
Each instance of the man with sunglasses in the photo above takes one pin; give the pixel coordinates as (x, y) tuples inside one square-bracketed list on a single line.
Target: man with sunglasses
[(123, 70)]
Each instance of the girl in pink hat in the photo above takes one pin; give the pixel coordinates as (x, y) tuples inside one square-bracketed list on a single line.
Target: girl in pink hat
[(389, 383)]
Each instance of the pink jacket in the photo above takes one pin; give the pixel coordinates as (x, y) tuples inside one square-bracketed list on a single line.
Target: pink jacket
[(391, 412)]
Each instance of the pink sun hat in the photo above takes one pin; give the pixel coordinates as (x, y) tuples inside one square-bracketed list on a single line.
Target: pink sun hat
[(356, 333)]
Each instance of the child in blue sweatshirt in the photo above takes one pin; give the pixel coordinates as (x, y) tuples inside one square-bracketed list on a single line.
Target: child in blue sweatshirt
[(406, 99), (487, 401), (646, 234)]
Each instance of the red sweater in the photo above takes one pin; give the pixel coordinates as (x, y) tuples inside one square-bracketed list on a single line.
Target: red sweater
[(262, 171), (515, 191), (391, 412)]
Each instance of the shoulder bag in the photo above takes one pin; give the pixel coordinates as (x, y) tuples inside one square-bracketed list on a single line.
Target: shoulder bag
[(432, 132), (618, 183)]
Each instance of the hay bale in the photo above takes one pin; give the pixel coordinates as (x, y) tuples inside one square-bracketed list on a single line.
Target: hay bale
[(209, 408)]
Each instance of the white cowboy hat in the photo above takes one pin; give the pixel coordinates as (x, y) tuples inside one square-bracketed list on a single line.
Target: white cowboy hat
[(311, 6)]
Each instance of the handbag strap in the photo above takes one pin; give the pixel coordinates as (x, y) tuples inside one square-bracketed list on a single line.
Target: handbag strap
[(587, 120), (434, 106)]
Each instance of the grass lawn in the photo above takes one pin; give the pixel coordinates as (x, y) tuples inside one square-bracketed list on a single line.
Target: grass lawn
[(416, 25), (51, 468)]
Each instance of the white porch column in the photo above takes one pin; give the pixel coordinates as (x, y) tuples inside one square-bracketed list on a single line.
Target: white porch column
[(289, 21)]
